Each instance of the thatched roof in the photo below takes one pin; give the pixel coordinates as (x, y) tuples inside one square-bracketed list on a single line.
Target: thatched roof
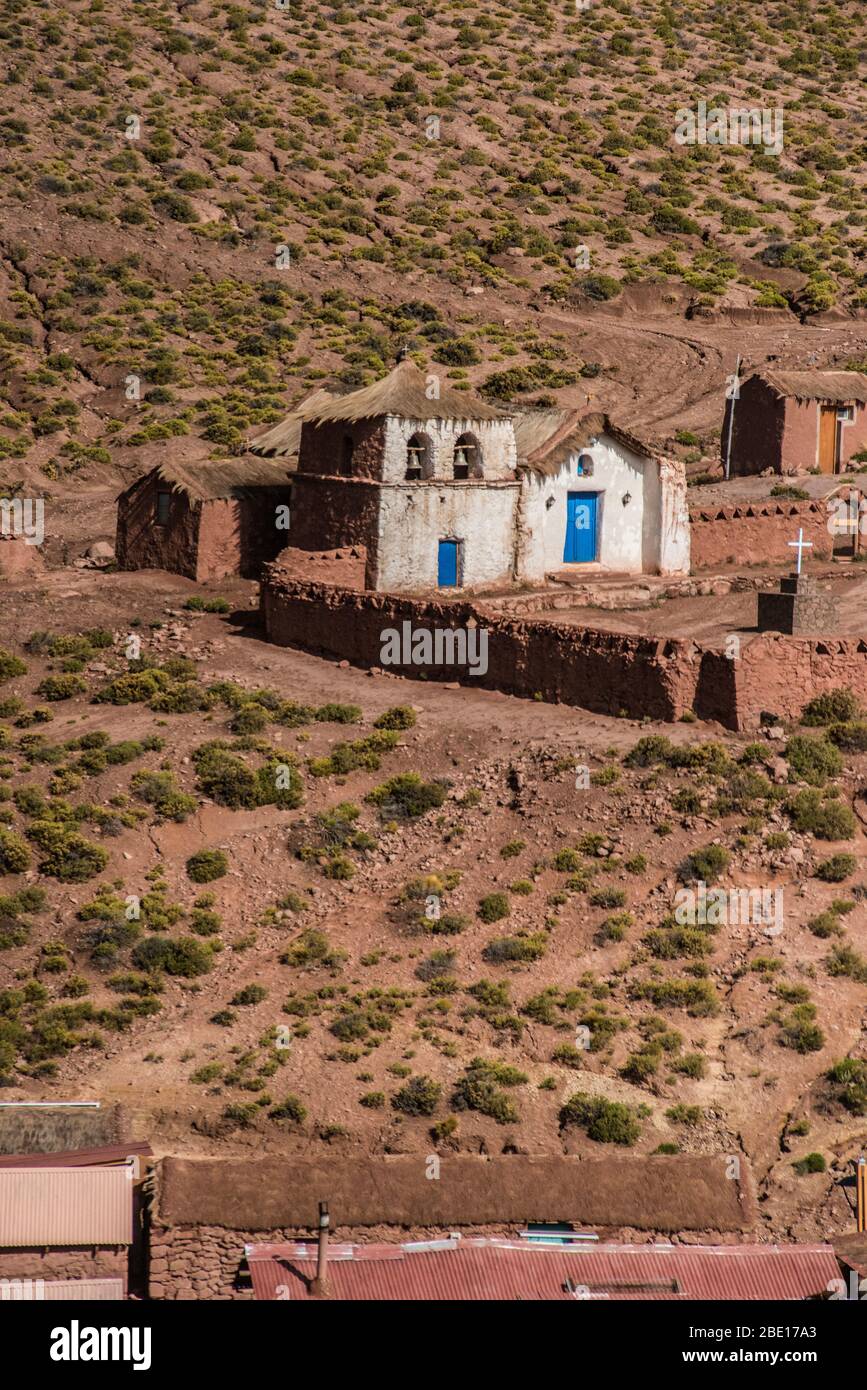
[(217, 481), (684, 1192), (283, 439), (404, 393), (838, 387), (43, 1130), (546, 438)]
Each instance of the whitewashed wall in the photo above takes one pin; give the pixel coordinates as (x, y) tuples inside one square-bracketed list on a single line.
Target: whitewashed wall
[(415, 517), (647, 535), (496, 437)]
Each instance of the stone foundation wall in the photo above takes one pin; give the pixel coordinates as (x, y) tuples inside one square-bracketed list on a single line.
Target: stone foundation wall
[(71, 1263)]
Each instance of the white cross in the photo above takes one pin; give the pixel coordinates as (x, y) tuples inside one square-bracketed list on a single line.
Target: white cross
[(800, 545)]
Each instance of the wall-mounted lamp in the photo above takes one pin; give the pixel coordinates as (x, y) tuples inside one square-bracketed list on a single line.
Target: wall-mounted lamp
[(626, 498), (549, 502)]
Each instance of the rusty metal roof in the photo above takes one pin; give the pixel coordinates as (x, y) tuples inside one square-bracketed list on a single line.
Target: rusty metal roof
[(482, 1268), (65, 1206), (28, 1290)]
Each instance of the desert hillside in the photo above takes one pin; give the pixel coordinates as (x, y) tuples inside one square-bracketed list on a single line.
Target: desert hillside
[(208, 209)]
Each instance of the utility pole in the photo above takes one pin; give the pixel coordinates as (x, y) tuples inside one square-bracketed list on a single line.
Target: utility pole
[(732, 398)]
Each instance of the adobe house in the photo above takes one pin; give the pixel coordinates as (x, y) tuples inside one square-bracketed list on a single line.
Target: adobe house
[(71, 1201), (204, 520), (442, 490), (797, 422)]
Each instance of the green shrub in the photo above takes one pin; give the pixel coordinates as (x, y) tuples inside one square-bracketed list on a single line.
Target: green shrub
[(838, 867), (827, 819), (835, 706), (705, 865), (515, 948), (848, 1087), (68, 857), (407, 796), (800, 1032), (206, 865), (181, 955), (14, 854), (420, 1096), (10, 666), (810, 1163), (372, 1100), (480, 1089), (289, 1108), (607, 897), (251, 718), (698, 997), (399, 717), (61, 687), (249, 994), (494, 907), (340, 714), (605, 1121), (814, 760), (160, 790)]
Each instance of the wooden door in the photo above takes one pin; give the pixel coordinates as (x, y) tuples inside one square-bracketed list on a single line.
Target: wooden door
[(828, 439)]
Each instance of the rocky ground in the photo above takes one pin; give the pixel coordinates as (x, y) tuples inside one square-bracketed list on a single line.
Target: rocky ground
[(383, 1000)]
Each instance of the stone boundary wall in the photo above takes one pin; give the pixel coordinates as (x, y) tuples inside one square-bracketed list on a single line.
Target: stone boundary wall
[(780, 674), (608, 672), (604, 671), (757, 533)]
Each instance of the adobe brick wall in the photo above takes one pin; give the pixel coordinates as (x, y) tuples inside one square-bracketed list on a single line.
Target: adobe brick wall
[(202, 540), (757, 432), (608, 672), (345, 568), (603, 671), (331, 513), (321, 447), (237, 536), (757, 533), (140, 545), (781, 674)]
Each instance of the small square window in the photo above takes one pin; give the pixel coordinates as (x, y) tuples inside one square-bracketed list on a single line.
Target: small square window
[(164, 503), (846, 414)]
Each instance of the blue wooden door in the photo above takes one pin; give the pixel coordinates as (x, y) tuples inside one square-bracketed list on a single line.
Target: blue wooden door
[(580, 527), (447, 567)]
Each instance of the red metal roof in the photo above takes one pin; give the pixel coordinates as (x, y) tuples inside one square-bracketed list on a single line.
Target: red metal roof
[(29, 1290), (493, 1269), (65, 1206)]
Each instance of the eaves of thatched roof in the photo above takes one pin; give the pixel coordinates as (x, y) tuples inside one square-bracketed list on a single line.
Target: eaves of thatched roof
[(546, 438), (405, 393), (838, 388), (283, 439)]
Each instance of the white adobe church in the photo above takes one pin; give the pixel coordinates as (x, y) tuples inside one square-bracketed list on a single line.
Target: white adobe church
[(447, 492)]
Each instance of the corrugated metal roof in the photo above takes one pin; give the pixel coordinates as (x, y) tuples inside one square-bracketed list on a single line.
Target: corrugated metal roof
[(65, 1206), (492, 1269), (60, 1290)]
